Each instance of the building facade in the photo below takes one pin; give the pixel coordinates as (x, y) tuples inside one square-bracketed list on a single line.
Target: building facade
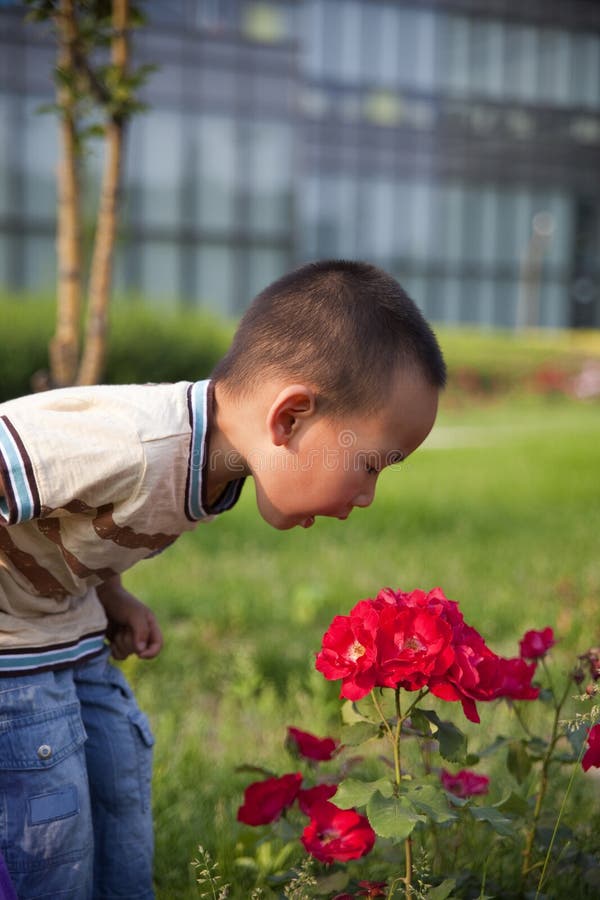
[(456, 143)]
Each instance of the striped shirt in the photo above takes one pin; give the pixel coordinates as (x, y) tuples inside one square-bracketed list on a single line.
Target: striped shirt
[(95, 479)]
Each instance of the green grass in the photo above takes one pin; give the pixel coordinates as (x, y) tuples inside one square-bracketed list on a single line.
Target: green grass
[(501, 511)]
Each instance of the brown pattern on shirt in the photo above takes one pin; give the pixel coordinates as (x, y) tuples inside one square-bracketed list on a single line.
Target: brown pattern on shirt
[(106, 528), (43, 582), (50, 528)]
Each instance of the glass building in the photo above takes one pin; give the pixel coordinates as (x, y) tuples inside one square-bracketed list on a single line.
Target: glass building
[(456, 143)]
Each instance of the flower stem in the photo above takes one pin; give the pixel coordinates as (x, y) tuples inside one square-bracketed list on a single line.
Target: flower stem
[(546, 762), (557, 823), (391, 736)]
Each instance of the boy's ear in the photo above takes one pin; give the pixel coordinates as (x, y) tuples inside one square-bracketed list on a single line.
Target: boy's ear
[(291, 405)]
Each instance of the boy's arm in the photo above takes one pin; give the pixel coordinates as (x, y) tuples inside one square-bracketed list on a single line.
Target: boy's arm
[(132, 627)]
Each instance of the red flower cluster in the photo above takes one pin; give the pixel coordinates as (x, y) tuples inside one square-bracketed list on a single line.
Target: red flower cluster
[(416, 640), (264, 801), (337, 834), (535, 644), (592, 754), (465, 783), (311, 747), (332, 833)]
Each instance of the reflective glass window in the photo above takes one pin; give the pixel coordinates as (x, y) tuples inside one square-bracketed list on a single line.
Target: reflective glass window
[(520, 57), (160, 270), (39, 161), (39, 262), (215, 277), (215, 148), (378, 219), (407, 24), (159, 167), (350, 25), (6, 130), (265, 264), (553, 66), (269, 162), (585, 70)]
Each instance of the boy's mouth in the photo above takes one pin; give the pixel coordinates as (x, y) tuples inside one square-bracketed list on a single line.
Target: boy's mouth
[(306, 523)]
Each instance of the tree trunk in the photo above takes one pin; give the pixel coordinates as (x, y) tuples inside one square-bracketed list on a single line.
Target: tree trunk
[(64, 346), (94, 355)]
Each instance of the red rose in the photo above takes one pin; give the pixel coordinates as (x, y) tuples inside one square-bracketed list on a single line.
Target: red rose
[(415, 640), (516, 677), (535, 644), (264, 801), (337, 834), (311, 747), (413, 645), (318, 794), (349, 651), (592, 755), (465, 783)]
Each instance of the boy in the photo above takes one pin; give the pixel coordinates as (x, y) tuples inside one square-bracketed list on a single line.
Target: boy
[(333, 374)]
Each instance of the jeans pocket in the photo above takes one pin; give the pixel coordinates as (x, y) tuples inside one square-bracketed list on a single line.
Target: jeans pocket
[(44, 798), (144, 742)]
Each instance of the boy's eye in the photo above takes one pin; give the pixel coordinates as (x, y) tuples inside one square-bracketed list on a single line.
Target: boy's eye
[(371, 470)]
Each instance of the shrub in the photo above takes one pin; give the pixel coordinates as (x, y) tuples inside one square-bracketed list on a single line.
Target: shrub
[(144, 345)]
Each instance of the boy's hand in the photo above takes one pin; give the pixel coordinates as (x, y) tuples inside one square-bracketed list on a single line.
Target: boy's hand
[(132, 627)]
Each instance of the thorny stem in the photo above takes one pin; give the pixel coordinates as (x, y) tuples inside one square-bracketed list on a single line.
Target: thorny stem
[(521, 720), (391, 735), (407, 842), (557, 823), (395, 736), (547, 760)]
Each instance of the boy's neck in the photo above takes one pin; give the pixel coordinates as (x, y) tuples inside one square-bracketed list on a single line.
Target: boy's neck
[(225, 462)]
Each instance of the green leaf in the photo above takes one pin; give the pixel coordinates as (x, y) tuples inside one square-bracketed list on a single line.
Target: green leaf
[(420, 722), (453, 743), (357, 734), (392, 817), (498, 744), (351, 714), (514, 805), (443, 890), (353, 792), (432, 802), (494, 818), (518, 760)]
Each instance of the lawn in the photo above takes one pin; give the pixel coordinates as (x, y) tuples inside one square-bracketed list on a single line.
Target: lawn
[(500, 508)]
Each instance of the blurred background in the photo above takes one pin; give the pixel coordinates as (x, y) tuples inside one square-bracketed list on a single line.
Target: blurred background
[(454, 142)]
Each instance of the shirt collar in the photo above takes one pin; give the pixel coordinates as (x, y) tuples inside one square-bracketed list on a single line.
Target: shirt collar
[(200, 400)]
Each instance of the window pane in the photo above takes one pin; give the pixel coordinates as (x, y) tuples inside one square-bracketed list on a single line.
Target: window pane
[(520, 62), (160, 270), (270, 152), (159, 166), (214, 141), (215, 277), (6, 129), (265, 266), (39, 162), (40, 262)]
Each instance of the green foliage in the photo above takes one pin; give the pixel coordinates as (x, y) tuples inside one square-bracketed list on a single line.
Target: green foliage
[(505, 520), (143, 345)]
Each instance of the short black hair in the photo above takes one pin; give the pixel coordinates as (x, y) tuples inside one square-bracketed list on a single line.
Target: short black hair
[(345, 327)]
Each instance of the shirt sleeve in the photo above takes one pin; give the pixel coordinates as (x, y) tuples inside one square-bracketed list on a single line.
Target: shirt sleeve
[(68, 449)]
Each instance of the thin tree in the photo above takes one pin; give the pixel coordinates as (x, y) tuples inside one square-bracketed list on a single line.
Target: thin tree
[(95, 96)]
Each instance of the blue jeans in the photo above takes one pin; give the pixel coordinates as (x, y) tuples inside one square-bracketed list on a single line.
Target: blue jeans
[(75, 772)]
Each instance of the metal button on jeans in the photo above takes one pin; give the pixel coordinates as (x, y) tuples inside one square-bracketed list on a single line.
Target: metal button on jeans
[(44, 751)]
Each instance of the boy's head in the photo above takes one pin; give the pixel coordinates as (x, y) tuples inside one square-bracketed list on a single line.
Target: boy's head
[(347, 328), (333, 375)]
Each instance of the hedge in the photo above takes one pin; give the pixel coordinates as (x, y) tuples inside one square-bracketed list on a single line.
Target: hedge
[(145, 345)]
